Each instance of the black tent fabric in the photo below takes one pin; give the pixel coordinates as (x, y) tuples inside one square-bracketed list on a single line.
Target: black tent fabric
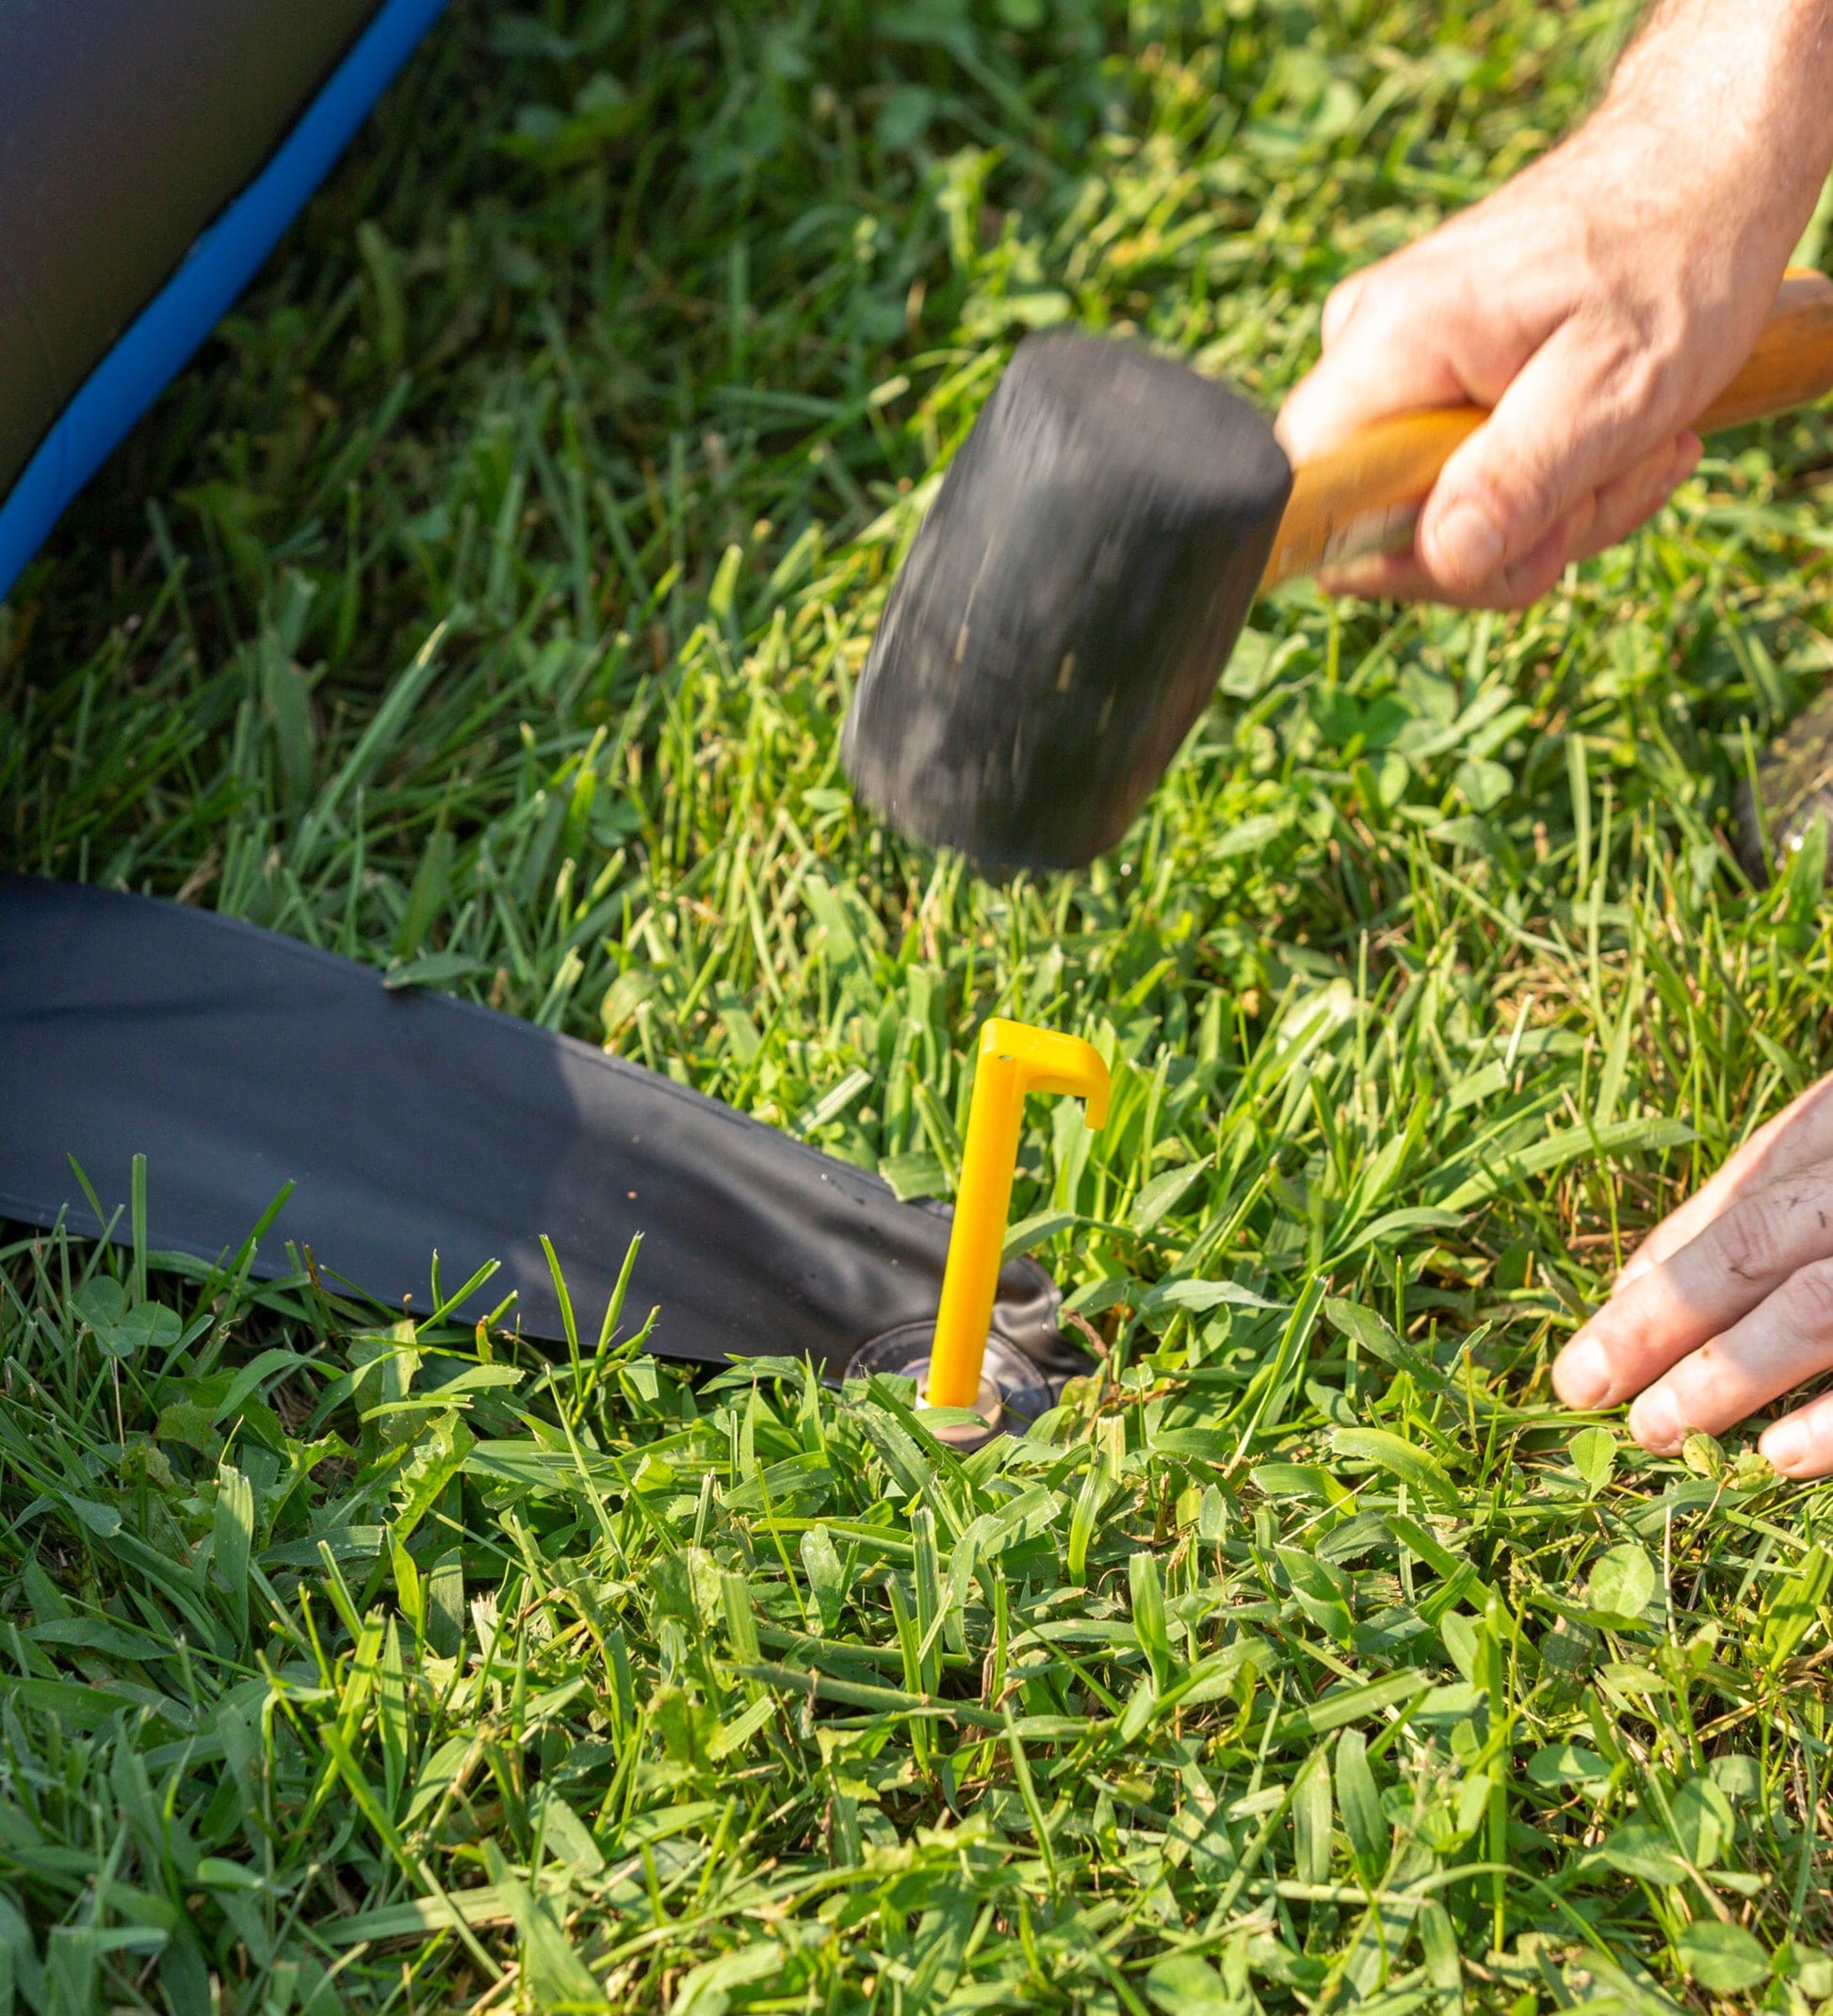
[(152, 153), (125, 126), (239, 1060)]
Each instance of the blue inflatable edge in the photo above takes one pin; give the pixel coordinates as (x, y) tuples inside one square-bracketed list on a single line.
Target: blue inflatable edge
[(167, 334)]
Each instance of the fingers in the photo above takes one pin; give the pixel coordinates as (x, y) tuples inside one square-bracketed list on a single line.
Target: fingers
[(1543, 483), (1632, 499), (1404, 577), (1788, 1338), (1340, 306), (1578, 440), (1582, 406), (1728, 1302), (1798, 1137), (1379, 359), (1761, 1240), (1801, 1445), (1597, 521)]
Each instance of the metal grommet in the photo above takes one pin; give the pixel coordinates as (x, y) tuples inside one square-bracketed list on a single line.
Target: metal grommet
[(1014, 1391)]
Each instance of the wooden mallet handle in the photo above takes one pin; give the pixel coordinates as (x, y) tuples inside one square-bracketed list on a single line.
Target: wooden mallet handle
[(1364, 496)]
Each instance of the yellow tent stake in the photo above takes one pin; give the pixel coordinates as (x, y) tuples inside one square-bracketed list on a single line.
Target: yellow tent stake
[(1014, 1059)]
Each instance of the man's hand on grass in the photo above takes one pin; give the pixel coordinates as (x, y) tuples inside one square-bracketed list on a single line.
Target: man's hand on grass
[(1727, 1303), (1599, 302)]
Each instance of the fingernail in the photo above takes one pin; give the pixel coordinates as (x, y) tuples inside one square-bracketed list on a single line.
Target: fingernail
[(1656, 1421), (1785, 1444), (1582, 1374), (1466, 542)]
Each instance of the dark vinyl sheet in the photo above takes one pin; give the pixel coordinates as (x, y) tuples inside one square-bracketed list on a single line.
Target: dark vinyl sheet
[(125, 126), (238, 1060)]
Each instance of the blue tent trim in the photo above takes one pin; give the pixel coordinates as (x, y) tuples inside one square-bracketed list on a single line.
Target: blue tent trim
[(166, 334)]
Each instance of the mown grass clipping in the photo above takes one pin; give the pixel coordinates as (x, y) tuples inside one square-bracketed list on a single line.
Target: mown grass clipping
[(483, 604)]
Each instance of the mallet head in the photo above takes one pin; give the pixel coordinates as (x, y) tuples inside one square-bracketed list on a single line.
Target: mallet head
[(1068, 605)]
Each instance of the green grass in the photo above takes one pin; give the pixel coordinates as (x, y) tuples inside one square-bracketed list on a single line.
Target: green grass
[(487, 596)]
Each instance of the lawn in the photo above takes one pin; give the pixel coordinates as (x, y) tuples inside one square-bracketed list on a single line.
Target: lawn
[(1310, 1655)]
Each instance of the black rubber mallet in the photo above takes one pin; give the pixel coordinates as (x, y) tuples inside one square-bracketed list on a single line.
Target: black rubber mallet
[(1069, 602)]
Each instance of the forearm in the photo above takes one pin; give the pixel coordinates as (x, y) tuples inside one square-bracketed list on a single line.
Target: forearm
[(1750, 84)]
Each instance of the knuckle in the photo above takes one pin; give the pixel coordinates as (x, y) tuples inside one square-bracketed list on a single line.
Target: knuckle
[(1530, 494), (1520, 586), (1781, 1230), (1752, 1236), (1656, 486), (1808, 1298), (1633, 378), (1650, 477), (1521, 592), (1633, 355), (1633, 509), (1376, 299), (1341, 301), (1813, 1107)]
